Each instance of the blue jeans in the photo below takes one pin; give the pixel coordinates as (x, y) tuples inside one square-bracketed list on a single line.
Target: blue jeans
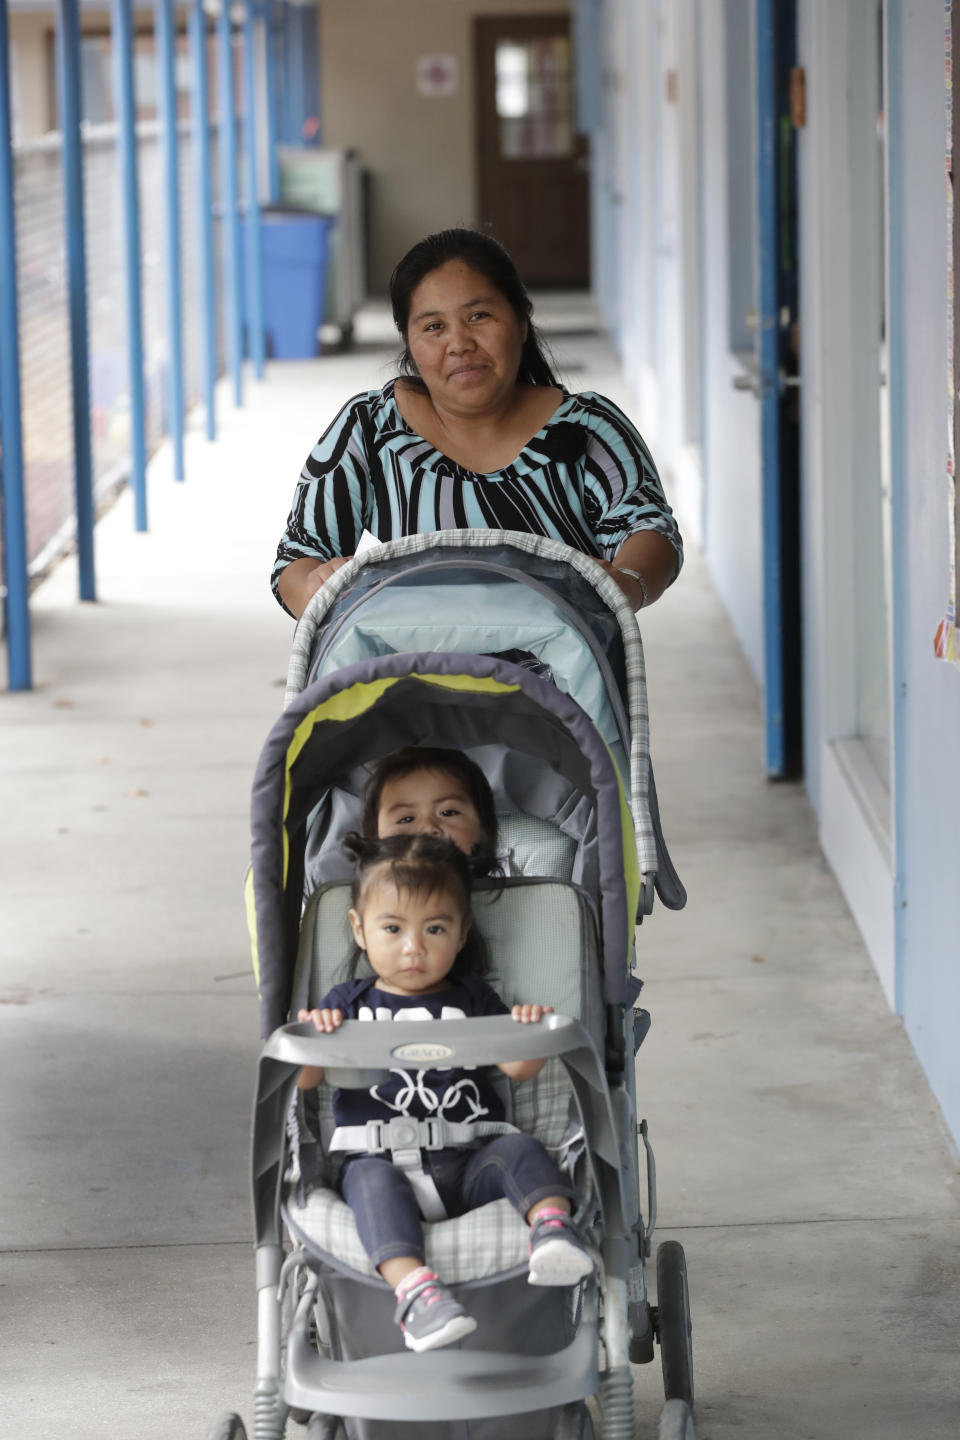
[(512, 1167)]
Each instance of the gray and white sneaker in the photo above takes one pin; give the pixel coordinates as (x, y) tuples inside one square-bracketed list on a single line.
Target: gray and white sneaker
[(558, 1255), (429, 1316)]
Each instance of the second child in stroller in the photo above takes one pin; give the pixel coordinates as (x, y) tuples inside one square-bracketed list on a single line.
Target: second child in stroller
[(433, 791), (411, 916)]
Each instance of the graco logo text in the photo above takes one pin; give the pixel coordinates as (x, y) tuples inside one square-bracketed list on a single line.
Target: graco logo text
[(421, 1050)]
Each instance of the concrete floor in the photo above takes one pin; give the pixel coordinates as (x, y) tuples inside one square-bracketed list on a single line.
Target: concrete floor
[(800, 1154)]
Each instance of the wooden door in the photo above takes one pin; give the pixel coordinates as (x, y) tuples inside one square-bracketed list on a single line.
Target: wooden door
[(531, 165)]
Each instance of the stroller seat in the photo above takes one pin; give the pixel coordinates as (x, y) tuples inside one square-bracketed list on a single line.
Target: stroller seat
[(541, 940), (531, 846)]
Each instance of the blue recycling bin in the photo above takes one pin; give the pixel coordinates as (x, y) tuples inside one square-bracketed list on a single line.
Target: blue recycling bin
[(293, 249)]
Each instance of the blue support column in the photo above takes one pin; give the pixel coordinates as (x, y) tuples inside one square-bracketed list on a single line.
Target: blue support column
[(232, 268), (165, 16), (202, 166), (298, 94), (254, 263), (127, 122), (19, 670), (68, 83), (292, 108), (270, 62), (309, 63), (280, 8)]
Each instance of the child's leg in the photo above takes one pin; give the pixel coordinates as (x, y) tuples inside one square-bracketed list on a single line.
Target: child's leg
[(386, 1211), (388, 1223), (518, 1168)]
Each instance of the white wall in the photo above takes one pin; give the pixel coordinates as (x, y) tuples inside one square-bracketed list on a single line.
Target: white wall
[(661, 273), (930, 782), (840, 257), (914, 946), (732, 523)]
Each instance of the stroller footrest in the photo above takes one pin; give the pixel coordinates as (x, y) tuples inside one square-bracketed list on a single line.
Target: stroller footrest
[(445, 1384)]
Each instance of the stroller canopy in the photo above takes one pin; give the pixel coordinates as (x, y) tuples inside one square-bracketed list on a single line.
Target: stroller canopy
[(496, 592), (458, 700)]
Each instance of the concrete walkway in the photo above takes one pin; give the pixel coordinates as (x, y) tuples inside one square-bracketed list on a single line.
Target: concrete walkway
[(800, 1154)]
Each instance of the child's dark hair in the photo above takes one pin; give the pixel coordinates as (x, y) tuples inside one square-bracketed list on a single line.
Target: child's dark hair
[(420, 865), (483, 857)]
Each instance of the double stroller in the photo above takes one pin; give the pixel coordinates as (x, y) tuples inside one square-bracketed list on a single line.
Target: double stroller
[(523, 654)]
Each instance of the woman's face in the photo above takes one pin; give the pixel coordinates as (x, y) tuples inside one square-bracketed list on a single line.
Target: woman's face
[(464, 338)]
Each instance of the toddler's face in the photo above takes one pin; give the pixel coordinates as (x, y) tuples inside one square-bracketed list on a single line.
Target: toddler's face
[(411, 940), (429, 802)]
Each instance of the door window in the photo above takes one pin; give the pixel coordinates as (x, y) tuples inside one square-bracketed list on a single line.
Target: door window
[(534, 97)]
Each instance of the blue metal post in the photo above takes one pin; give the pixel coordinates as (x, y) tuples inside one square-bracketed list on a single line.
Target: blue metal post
[(202, 165), (11, 435), (254, 266), (309, 69), (768, 354), (293, 74), (232, 268), (165, 16), (127, 121), (68, 78), (270, 61)]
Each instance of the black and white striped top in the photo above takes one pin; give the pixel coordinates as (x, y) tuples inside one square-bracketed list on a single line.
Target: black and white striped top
[(586, 478)]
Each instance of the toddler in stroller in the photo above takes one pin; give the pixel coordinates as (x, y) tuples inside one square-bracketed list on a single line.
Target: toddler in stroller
[(410, 915), (329, 1353)]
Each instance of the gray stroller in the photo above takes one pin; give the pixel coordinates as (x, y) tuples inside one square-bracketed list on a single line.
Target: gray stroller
[(523, 654)]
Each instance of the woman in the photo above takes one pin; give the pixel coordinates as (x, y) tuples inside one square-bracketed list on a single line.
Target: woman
[(476, 432)]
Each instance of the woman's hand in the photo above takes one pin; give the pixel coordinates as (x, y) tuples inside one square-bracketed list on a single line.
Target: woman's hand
[(301, 579), (326, 1021), (630, 588)]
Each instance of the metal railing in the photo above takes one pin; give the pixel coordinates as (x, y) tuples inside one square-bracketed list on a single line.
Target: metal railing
[(44, 322)]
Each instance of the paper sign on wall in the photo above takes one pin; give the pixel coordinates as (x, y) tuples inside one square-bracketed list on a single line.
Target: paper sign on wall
[(438, 75)]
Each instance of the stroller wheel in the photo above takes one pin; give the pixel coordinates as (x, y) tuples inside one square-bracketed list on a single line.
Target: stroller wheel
[(574, 1422), (227, 1427), (674, 1327), (676, 1422)]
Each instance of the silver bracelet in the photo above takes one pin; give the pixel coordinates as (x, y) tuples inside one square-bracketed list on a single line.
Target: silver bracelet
[(635, 575)]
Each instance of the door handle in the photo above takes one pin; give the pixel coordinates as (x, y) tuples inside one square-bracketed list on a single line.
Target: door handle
[(754, 383)]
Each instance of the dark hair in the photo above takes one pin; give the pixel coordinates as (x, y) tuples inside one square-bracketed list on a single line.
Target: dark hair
[(420, 865), (483, 857), (488, 257)]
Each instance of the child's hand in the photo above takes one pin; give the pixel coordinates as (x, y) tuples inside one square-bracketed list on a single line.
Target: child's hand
[(325, 1020), (525, 1069), (527, 1013)]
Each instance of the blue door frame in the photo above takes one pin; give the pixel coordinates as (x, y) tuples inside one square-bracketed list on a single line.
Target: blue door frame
[(777, 361)]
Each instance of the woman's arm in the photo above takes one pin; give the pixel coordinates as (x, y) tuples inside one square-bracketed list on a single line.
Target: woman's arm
[(299, 581), (653, 557), (634, 524), (330, 507)]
